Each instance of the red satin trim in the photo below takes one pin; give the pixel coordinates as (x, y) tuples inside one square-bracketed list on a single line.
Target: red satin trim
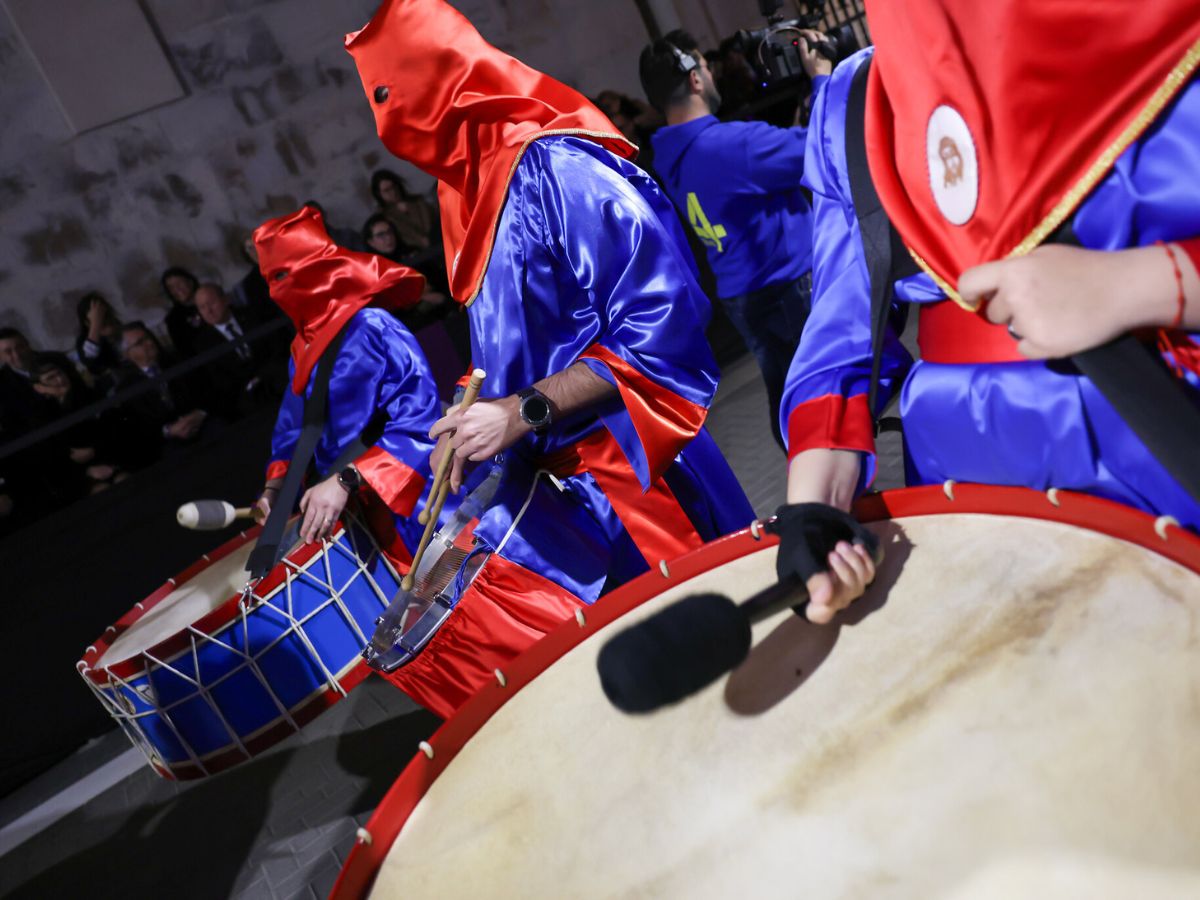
[(1042, 108), (397, 484), (321, 285), (949, 334), (664, 421), (831, 422), (505, 611), (277, 469), (654, 519), (458, 108)]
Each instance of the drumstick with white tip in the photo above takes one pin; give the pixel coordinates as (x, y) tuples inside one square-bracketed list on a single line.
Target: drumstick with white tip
[(441, 478), (441, 481), (211, 515)]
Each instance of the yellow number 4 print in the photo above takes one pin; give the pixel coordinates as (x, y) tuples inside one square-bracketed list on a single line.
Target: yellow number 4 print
[(708, 233)]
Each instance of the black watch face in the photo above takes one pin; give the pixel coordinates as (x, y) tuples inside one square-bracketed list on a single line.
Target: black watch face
[(535, 410)]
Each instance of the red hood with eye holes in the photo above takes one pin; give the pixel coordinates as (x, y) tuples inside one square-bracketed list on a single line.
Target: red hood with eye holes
[(453, 105), (321, 285)]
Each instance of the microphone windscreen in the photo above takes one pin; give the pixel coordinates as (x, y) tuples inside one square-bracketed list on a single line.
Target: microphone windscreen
[(674, 653), (205, 515)]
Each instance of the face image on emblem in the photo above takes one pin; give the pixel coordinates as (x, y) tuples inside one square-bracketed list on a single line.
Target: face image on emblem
[(952, 161), (952, 165)]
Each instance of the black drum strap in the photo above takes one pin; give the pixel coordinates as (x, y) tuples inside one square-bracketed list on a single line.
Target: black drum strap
[(887, 259), (1152, 402), (265, 554)]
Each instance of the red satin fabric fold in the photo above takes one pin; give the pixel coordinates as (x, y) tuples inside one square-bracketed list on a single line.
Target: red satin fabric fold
[(321, 285), (832, 422), (947, 333), (664, 421), (1045, 90), (397, 484), (657, 523), (505, 611), (461, 110)]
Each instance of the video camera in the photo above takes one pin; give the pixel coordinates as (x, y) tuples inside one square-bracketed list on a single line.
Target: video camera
[(774, 51)]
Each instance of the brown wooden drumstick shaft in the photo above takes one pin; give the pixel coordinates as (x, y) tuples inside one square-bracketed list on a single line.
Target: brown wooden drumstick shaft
[(442, 475), (437, 493)]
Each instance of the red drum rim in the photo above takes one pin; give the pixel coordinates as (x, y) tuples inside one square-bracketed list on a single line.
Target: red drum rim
[(220, 617), (1162, 536)]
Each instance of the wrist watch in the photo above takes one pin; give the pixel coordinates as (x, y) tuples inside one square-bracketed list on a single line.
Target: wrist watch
[(535, 410), (350, 478)]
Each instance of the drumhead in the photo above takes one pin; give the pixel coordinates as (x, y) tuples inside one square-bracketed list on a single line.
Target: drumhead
[(1012, 695), (191, 601)]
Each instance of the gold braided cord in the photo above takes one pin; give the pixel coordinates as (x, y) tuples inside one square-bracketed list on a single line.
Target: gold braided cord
[(1161, 97), (941, 282), (508, 181)]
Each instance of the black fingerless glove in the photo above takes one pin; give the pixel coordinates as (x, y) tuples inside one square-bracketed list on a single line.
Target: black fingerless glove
[(808, 532)]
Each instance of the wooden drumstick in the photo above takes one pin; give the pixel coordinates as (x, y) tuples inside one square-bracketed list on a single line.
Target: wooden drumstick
[(441, 481), (441, 478)]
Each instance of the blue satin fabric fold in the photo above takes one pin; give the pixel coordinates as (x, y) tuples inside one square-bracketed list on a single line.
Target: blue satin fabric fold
[(379, 367), (1013, 423), (587, 251)]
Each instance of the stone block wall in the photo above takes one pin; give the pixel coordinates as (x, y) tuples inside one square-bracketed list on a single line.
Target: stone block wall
[(274, 115)]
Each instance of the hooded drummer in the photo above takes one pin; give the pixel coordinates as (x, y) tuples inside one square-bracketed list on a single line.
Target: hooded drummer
[(584, 312), (381, 391), (1042, 216)]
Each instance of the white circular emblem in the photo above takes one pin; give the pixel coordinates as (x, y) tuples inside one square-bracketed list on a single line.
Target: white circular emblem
[(953, 166)]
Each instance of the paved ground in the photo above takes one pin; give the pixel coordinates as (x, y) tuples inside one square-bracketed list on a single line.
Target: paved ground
[(280, 826)]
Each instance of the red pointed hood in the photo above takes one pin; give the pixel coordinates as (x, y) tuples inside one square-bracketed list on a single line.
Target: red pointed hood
[(985, 141), (461, 110), (321, 285)]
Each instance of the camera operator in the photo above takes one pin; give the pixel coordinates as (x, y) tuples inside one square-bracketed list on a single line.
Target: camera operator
[(738, 185)]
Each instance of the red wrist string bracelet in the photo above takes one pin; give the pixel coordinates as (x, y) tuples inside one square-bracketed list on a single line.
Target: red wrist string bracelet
[(1180, 300)]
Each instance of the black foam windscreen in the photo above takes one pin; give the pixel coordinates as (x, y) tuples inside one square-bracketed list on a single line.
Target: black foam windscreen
[(676, 652)]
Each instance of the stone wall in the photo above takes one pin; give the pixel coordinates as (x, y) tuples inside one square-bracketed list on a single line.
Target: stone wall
[(274, 115)]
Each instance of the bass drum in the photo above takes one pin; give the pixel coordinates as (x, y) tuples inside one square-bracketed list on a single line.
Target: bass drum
[(1012, 710)]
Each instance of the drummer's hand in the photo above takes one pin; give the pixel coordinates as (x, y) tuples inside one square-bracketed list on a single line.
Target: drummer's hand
[(321, 505), (1063, 300), (262, 508), (851, 569), (485, 428)]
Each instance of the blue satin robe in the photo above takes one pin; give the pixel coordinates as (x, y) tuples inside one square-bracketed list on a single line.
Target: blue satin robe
[(1018, 423), (587, 253), (380, 366)]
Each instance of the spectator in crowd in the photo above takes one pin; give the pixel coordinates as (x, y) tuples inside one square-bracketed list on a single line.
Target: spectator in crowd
[(92, 448), (252, 291), (343, 237), (170, 415), (18, 400), (98, 343), (735, 81), (380, 235), (183, 321), (636, 119), (415, 217), (738, 186), (253, 374)]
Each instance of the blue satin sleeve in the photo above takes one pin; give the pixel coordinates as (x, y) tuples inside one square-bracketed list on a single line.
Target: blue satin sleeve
[(618, 246), (287, 426), (380, 370), (833, 359)]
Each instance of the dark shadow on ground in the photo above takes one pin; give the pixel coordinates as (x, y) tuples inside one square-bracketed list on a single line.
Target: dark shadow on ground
[(194, 840)]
